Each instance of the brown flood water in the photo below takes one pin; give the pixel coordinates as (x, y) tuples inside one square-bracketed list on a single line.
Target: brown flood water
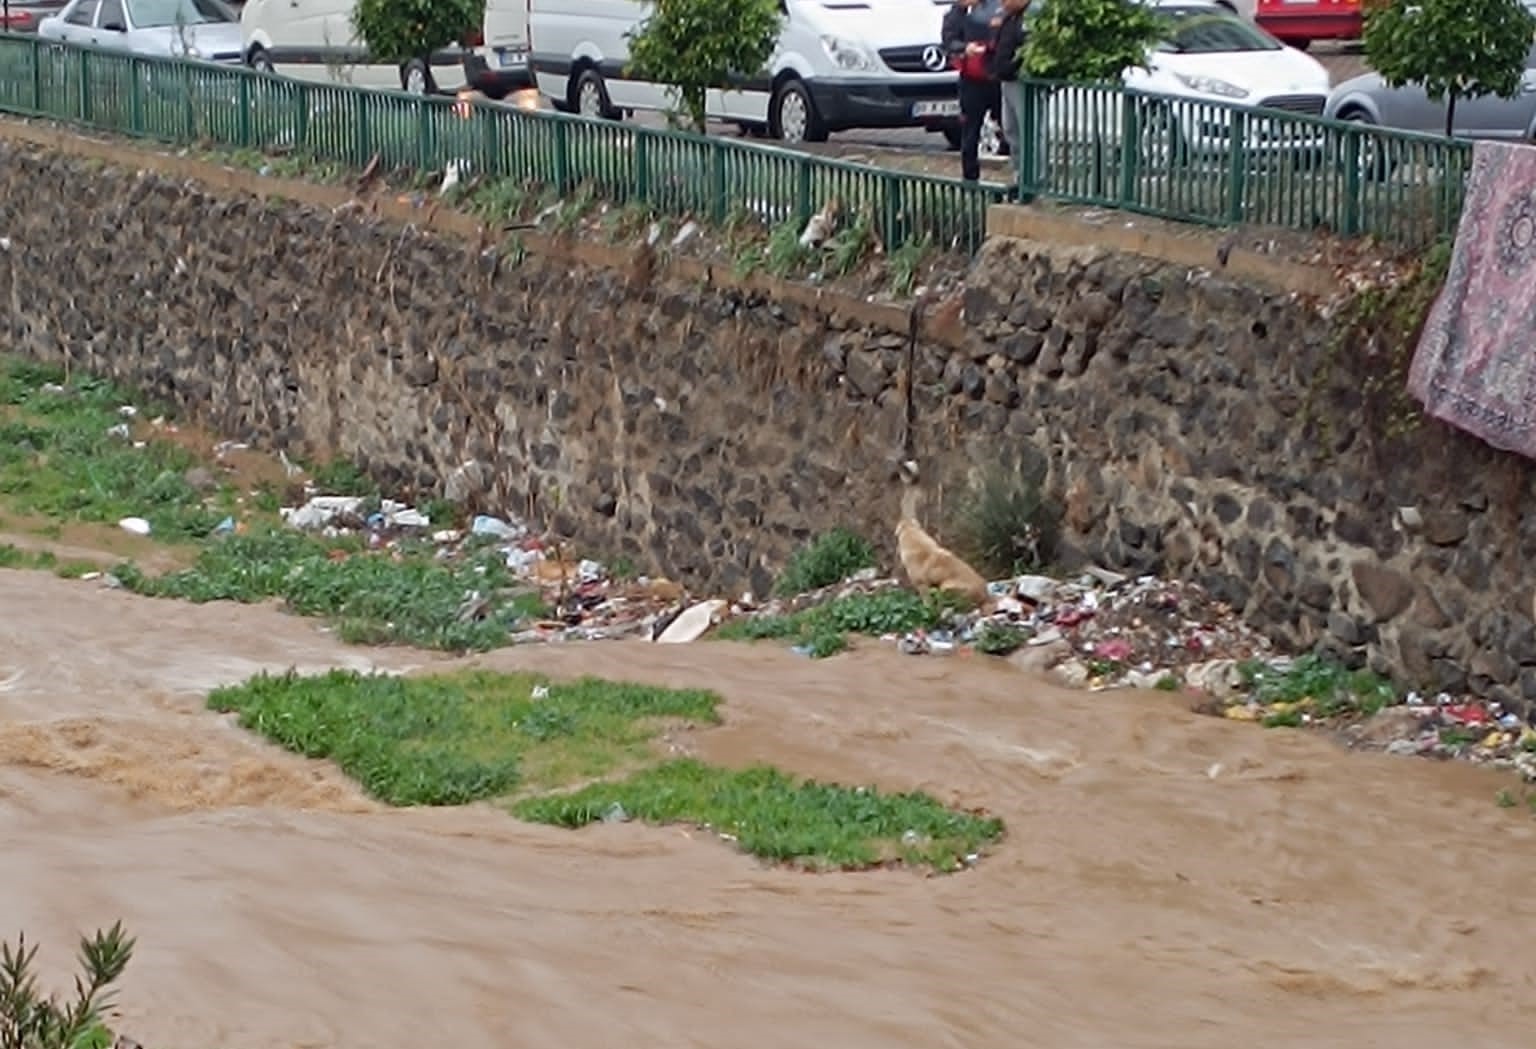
[(1300, 896)]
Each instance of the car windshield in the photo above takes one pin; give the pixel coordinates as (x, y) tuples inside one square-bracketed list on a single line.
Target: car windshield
[(1202, 31), (149, 14)]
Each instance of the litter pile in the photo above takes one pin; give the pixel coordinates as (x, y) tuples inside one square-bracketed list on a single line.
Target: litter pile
[(585, 602)]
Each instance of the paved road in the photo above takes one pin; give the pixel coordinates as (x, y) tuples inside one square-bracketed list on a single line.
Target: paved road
[(915, 149)]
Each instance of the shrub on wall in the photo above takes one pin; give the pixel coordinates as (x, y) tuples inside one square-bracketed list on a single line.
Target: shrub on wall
[(1007, 523)]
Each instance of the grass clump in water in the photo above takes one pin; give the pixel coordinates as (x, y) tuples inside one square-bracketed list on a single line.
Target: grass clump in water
[(823, 629), (403, 596), (829, 560), (455, 738), (774, 816), (64, 455)]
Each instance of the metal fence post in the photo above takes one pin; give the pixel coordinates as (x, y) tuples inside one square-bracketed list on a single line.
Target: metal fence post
[(83, 108), (717, 208), (1349, 221), (643, 166), (1237, 145), (1130, 147), (562, 157), (1029, 141), (136, 96), (243, 120), (37, 76), (803, 207)]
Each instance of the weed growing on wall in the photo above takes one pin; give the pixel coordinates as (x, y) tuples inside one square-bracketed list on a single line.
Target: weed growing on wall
[(1375, 336), (1006, 522)]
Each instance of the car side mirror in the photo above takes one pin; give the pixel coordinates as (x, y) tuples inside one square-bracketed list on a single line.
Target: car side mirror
[(114, 26)]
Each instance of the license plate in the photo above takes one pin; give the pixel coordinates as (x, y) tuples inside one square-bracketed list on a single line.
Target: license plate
[(944, 108), (509, 59)]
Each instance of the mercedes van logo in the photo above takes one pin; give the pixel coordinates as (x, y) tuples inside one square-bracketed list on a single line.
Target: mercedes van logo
[(933, 58)]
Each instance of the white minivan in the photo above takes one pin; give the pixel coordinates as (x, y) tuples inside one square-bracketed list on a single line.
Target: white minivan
[(838, 65), (315, 40)]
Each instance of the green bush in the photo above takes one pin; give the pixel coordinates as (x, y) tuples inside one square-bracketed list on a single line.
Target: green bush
[(1006, 522), (31, 1020), (400, 30), (825, 562)]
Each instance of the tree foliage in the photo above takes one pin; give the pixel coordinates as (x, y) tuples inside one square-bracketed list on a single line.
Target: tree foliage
[(1452, 48), (695, 45), (30, 1019), (1089, 41), (400, 30)]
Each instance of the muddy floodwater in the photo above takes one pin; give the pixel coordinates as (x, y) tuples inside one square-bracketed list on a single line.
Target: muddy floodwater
[(1169, 880)]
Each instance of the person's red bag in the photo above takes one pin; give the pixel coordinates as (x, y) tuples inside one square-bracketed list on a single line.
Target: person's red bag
[(972, 65)]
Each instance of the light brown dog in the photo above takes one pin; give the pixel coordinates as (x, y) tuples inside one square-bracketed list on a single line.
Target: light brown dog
[(928, 564)]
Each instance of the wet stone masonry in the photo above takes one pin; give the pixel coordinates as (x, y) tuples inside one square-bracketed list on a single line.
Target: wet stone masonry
[(1195, 427)]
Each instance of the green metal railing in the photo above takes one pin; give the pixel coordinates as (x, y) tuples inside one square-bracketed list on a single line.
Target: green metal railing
[(189, 103), (1225, 164)]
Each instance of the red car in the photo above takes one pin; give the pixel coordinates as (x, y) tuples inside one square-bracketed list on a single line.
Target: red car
[(1299, 22)]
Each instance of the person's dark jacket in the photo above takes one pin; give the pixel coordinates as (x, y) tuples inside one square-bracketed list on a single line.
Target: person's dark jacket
[(964, 26), (1010, 38)]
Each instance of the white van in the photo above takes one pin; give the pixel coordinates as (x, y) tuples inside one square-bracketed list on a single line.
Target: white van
[(838, 65), (315, 40)]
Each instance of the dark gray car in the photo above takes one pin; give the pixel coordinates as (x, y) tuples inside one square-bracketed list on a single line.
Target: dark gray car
[(1369, 100)]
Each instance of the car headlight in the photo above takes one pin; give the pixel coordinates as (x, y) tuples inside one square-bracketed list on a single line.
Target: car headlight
[(848, 56), (1208, 85)]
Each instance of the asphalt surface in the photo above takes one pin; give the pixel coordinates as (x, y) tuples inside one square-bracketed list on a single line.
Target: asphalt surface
[(915, 149)]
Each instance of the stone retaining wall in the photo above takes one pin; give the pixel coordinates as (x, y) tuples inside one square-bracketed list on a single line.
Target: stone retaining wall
[(704, 427)]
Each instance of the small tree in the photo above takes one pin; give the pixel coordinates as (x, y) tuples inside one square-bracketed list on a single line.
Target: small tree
[(1452, 48), (400, 30), (1090, 41), (695, 45)]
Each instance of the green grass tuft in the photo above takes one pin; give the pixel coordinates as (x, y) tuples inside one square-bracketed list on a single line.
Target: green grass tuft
[(455, 738), (829, 560), (371, 598), (1324, 687), (779, 818), (59, 458), (823, 629)]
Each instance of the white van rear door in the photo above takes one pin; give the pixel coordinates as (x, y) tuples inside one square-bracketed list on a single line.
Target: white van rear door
[(506, 33)]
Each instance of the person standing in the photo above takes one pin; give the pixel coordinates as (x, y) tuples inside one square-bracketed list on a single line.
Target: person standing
[(970, 35), (1005, 69)]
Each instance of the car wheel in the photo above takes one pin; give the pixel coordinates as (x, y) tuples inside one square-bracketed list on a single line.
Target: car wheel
[(260, 61), (589, 97), (416, 78), (1373, 161), (792, 115)]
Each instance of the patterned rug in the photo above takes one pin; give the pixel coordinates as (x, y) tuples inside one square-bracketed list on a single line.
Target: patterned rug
[(1475, 366)]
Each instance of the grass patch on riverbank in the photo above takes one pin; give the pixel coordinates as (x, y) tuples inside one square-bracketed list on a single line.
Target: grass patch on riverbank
[(404, 596), (823, 629), (455, 738), (475, 735), (67, 452), (779, 818), (1314, 686)]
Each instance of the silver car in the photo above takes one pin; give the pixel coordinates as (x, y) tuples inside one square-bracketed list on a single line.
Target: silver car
[(1368, 100), (200, 29)]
